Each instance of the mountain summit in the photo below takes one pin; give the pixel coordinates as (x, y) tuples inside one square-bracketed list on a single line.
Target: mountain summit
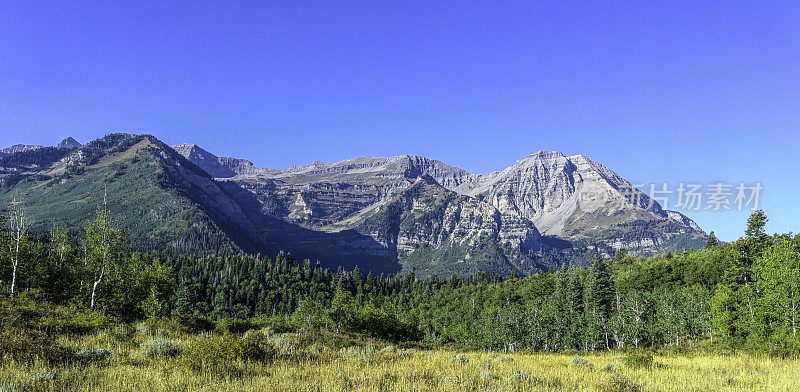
[(68, 143)]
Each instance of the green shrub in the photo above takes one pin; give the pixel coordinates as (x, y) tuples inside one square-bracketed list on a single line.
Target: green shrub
[(192, 324), (44, 376), (287, 344), (154, 348), (518, 377), (609, 368), (218, 356), (362, 354), (637, 360), (277, 324), (33, 295), (214, 356), (619, 383), (233, 326), (777, 346), (580, 361), (405, 353), (72, 321), (257, 347)]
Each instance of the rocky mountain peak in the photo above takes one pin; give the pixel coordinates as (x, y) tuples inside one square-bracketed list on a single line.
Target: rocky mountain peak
[(204, 159), (570, 196), (218, 167), (69, 143), (192, 150)]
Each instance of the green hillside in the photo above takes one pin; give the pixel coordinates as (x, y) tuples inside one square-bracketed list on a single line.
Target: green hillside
[(137, 175)]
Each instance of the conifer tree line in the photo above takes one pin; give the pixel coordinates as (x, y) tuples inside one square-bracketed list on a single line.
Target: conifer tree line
[(740, 294)]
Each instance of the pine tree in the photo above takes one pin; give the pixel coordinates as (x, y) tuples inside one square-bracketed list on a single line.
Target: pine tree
[(600, 297), (600, 288), (712, 240), (187, 298), (753, 244), (574, 310), (755, 224)]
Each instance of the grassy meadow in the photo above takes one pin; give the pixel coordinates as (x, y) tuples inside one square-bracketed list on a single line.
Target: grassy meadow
[(245, 323), (139, 358)]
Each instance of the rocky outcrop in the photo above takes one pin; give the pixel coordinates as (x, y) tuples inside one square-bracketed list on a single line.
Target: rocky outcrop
[(434, 230), (19, 148), (683, 219)]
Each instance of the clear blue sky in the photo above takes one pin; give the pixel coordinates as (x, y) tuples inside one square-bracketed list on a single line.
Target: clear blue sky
[(691, 91)]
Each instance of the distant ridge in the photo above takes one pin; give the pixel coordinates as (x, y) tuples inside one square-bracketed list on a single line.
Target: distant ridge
[(19, 148), (68, 143)]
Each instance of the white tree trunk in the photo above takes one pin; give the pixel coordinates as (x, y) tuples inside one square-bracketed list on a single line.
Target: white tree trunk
[(14, 265), (19, 228), (14, 279), (94, 286)]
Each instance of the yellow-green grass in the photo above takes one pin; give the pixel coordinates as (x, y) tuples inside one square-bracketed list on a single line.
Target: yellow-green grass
[(390, 369)]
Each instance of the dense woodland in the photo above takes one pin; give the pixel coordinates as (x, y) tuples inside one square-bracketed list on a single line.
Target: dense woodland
[(743, 294)]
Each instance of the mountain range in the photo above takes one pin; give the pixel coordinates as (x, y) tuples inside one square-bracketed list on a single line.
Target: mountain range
[(386, 215)]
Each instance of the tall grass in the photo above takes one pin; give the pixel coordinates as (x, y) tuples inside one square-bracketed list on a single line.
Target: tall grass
[(263, 361)]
